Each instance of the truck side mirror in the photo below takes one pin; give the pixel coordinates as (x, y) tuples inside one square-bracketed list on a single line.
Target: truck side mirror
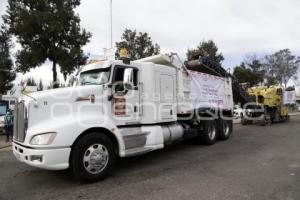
[(120, 87), (128, 78)]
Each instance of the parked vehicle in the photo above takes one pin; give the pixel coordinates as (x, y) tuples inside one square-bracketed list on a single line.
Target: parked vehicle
[(238, 112), (3, 111), (272, 104), (120, 108), (12, 95)]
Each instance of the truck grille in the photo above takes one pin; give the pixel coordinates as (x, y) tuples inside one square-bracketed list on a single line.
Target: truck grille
[(20, 121)]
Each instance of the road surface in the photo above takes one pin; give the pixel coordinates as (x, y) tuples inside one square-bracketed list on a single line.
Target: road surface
[(258, 162)]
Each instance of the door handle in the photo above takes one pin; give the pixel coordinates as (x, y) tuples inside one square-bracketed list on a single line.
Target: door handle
[(135, 109)]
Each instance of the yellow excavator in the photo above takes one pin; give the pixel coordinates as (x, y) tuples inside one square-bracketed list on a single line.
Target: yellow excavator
[(269, 106)]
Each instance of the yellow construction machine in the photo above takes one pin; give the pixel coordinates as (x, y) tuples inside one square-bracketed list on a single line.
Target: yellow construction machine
[(269, 105)]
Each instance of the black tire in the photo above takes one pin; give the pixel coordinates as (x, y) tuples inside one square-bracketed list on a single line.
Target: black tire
[(102, 150), (245, 121), (276, 117), (208, 136), (224, 129), (285, 118)]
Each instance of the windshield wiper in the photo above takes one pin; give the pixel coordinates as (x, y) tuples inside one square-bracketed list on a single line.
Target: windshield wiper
[(88, 83)]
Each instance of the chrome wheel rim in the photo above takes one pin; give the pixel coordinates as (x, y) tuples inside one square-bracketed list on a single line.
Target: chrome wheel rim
[(95, 158), (211, 132)]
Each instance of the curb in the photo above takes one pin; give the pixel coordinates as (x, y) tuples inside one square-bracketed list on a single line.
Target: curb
[(5, 146)]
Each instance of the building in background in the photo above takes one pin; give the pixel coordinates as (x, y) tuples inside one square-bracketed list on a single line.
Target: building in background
[(3, 110), (16, 92), (8, 101)]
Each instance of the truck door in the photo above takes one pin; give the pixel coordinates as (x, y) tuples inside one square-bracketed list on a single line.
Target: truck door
[(167, 97), (126, 96)]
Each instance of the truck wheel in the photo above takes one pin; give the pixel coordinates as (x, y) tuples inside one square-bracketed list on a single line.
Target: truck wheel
[(224, 129), (92, 158), (209, 134), (246, 121), (243, 121), (276, 117), (286, 118)]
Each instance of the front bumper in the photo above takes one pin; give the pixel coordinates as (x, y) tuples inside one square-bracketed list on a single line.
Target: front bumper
[(50, 159)]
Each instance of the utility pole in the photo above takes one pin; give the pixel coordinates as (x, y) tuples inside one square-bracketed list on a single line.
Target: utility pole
[(110, 24), (108, 52)]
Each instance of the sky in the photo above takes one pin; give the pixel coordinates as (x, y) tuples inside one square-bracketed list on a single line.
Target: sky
[(238, 27)]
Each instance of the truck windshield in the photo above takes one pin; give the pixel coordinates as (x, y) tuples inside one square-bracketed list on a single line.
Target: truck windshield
[(94, 77)]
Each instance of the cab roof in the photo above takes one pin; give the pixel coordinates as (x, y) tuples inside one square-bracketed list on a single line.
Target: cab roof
[(160, 59)]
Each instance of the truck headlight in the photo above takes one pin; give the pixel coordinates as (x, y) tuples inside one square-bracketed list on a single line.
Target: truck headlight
[(43, 139)]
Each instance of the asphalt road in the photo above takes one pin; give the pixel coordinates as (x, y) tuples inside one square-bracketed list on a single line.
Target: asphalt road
[(256, 163)]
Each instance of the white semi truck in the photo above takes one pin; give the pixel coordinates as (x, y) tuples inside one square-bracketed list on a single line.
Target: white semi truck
[(120, 108)]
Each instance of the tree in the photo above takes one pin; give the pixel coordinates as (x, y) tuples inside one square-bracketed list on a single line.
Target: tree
[(40, 86), (139, 45), (30, 82), (208, 51), (7, 73), (208, 54), (47, 30), (58, 84), (245, 73), (250, 71), (281, 66), (256, 65)]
